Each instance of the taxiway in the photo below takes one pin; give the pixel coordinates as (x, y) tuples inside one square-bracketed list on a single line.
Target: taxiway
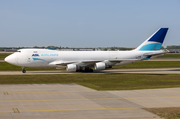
[(71, 101), (117, 71)]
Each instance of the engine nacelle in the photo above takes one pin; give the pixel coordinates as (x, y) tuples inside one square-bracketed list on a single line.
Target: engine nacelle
[(100, 65), (71, 67)]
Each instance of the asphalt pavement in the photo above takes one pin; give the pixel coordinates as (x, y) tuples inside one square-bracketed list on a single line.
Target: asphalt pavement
[(71, 101)]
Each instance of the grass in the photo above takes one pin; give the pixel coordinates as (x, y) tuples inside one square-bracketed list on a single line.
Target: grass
[(100, 81), (4, 66), (150, 64), (168, 113), (3, 55), (170, 55)]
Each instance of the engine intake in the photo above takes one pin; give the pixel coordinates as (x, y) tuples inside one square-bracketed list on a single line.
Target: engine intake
[(100, 65), (71, 67)]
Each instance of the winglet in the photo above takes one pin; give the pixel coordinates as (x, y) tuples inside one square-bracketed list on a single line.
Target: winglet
[(154, 42)]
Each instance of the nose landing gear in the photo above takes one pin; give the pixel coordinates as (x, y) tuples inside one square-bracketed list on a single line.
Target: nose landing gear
[(23, 70)]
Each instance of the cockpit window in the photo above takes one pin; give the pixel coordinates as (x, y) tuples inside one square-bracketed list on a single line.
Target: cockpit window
[(18, 51)]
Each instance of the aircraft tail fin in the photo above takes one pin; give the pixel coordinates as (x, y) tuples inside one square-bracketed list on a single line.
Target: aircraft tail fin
[(154, 42)]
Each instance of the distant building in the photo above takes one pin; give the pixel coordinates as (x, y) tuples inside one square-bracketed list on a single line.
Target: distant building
[(174, 50), (97, 49), (10, 50), (64, 49), (86, 49)]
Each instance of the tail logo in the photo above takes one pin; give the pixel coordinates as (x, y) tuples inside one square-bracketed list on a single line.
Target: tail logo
[(155, 41)]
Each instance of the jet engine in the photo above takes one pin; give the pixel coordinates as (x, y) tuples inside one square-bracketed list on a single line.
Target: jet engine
[(100, 65), (71, 67)]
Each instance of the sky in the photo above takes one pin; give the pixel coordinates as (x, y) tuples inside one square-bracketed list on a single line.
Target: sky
[(87, 23)]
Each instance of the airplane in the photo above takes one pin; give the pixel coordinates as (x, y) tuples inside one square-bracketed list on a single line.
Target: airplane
[(85, 61)]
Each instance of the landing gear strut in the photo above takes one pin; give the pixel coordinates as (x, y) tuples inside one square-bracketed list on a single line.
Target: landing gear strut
[(23, 70), (85, 69), (90, 70)]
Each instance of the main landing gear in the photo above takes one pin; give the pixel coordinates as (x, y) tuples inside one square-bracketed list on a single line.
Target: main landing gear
[(85, 69), (23, 70)]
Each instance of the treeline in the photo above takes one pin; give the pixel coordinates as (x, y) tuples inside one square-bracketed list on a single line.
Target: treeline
[(10, 48), (99, 48), (173, 47), (114, 48)]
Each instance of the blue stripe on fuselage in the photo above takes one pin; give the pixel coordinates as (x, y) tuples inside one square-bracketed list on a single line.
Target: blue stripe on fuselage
[(37, 59)]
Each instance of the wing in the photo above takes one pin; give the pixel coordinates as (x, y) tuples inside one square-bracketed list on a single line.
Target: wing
[(89, 62)]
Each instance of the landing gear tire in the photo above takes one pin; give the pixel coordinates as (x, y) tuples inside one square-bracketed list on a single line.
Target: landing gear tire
[(23, 71), (88, 70), (91, 70)]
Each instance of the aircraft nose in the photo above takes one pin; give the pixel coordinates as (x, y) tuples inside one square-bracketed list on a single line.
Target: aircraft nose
[(11, 59)]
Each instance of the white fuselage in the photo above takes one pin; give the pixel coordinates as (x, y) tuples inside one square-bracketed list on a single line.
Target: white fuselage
[(47, 58)]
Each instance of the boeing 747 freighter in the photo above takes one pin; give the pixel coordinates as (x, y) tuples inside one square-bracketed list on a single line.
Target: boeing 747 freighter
[(86, 60)]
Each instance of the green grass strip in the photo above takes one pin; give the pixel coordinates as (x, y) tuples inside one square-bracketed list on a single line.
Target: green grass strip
[(3, 55), (150, 64), (169, 55), (4, 66), (100, 81)]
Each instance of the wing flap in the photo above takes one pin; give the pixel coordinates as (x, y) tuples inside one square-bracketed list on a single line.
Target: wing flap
[(88, 62)]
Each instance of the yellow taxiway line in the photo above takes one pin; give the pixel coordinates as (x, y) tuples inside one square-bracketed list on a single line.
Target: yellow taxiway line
[(46, 92), (15, 110), (87, 99)]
